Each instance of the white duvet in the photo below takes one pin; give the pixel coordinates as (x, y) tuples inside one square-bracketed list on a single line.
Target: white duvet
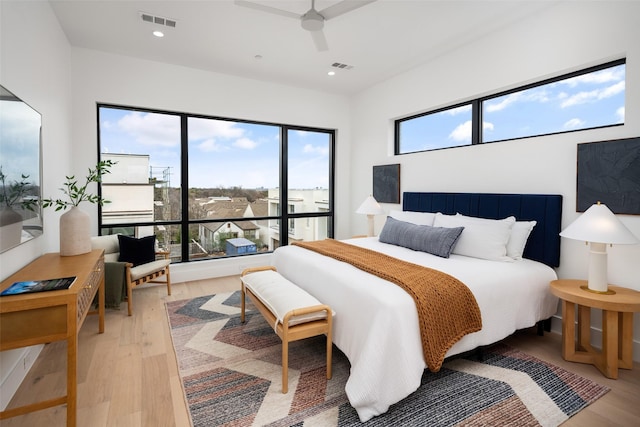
[(376, 322)]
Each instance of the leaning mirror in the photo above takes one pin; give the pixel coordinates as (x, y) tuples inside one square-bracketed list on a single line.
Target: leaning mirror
[(20, 212)]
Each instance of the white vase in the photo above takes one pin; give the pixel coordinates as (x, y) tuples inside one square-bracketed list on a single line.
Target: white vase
[(75, 233), (10, 228)]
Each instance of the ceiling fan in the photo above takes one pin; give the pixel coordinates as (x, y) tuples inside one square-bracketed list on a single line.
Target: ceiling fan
[(312, 20)]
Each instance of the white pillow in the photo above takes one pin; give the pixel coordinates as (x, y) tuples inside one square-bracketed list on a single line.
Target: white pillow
[(519, 236), (481, 237), (418, 218)]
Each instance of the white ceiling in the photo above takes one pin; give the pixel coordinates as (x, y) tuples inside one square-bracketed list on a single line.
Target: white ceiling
[(380, 40)]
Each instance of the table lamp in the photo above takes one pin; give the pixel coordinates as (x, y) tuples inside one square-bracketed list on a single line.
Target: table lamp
[(370, 207), (598, 226)]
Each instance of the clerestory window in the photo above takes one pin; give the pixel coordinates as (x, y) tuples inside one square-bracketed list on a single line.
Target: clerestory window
[(586, 99)]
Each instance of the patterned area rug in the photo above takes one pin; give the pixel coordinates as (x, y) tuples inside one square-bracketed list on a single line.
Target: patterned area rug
[(231, 376)]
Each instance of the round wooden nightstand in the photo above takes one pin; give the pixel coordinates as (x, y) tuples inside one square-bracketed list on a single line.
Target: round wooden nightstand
[(617, 325)]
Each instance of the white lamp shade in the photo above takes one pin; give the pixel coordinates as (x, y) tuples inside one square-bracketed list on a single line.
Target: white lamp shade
[(599, 225), (370, 207)]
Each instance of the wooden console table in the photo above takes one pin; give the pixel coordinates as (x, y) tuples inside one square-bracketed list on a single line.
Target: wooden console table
[(44, 317)]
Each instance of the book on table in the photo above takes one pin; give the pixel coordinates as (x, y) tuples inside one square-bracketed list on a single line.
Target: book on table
[(30, 286)]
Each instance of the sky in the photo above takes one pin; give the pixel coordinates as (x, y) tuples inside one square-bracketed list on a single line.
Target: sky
[(20, 142), (586, 101), (222, 153)]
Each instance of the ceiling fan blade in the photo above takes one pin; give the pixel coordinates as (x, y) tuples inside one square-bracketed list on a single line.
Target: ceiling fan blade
[(319, 40), (343, 7), (268, 9)]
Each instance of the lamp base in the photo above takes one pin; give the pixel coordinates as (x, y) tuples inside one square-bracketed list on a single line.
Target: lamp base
[(370, 220), (597, 280), (607, 292)]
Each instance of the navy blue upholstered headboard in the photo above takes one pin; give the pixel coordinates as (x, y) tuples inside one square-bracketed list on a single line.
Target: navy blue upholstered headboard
[(544, 241)]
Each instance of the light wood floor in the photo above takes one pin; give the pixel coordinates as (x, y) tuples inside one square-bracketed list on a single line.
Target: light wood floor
[(128, 377)]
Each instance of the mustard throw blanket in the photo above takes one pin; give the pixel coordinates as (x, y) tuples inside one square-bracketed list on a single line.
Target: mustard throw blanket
[(447, 310)]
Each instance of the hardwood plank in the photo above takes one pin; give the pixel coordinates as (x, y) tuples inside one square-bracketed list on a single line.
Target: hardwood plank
[(127, 392), (157, 404), (179, 402), (95, 415)]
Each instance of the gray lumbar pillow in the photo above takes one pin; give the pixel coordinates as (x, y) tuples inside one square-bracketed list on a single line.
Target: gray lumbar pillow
[(434, 240)]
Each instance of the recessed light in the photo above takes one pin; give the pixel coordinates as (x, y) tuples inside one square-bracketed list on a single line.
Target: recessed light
[(158, 33), (331, 73)]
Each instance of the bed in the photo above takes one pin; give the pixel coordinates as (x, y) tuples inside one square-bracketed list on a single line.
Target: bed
[(376, 322)]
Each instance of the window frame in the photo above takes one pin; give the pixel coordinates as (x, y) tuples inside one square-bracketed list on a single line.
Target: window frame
[(284, 217), (477, 107)]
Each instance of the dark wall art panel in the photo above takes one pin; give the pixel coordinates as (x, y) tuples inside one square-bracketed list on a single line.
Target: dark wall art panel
[(609, 172), (386, 183)]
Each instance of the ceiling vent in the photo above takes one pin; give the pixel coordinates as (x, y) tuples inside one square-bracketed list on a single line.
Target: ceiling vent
[(159, 20), (341, 66)]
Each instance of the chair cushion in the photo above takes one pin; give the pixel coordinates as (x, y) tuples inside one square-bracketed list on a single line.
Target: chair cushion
[(148, 268), (112, 257), (109, 243), (137, 251)]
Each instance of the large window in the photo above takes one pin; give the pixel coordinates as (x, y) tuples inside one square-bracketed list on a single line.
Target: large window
[(210, 187), (586, 99)]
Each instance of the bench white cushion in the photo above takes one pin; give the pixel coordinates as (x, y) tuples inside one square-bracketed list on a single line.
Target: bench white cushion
[(281, 296)]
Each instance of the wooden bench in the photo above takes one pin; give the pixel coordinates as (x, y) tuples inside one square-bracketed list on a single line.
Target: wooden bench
[(292, 312)]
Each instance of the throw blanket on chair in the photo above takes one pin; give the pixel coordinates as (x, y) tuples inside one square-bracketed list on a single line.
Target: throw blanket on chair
[(115, 284), (447, 310)]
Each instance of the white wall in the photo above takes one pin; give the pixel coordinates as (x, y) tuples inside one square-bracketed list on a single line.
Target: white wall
[(105, 78), (567, 37), (35, 60)]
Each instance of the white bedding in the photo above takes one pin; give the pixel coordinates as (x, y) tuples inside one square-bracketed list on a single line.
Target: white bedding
[(376, 322)]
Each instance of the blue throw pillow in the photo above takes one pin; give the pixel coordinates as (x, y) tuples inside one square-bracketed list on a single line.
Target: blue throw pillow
[(434, 240), (137, 251)]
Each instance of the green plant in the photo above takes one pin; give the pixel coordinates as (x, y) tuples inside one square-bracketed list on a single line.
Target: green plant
[(15, 194), (77, 194)]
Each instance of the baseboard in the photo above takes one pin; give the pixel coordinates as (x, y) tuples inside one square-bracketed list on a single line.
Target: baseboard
[(207, 269), (16, 364), (596, 336)]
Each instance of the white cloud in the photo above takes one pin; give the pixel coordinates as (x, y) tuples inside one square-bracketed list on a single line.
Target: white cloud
[(573, 124), (210, 145), (310, 148), (106, 125), (462, 132), (612, 90), (604, 76), (593, 95), (504, 103), (152, 129), (302, 133), (458, 110), (208, 128), (245, 144), (620, 113), (530, 95), (537, 95)]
